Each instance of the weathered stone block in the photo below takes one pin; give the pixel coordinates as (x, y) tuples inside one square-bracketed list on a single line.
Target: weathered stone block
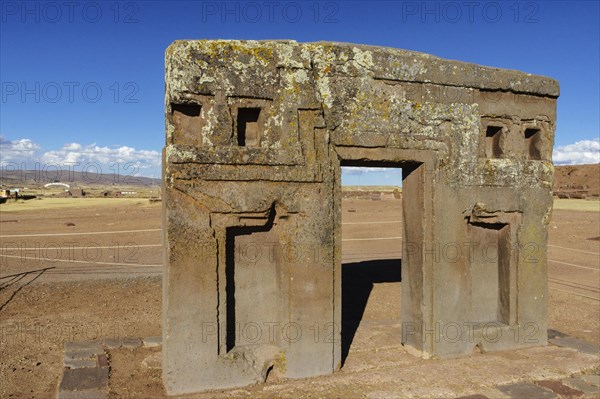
[(81, 379), (256, 135), (151, 342), (527, 390)]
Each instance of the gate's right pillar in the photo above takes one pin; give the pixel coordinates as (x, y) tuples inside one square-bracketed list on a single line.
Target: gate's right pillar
[(484, 264)]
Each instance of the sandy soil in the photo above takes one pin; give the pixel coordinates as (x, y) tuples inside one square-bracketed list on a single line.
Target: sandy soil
[(42, 316), (82, 239), (584, 178), (115, 299)]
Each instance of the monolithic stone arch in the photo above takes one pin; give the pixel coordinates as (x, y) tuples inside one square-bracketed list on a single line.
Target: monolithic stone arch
[(256, 134)]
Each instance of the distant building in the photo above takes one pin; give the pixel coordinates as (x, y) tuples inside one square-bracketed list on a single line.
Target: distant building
[(76, 192), (57, 184)]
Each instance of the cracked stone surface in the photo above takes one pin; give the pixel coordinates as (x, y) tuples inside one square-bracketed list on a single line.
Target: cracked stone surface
[(85, 373), (578, 344), (527, 390)]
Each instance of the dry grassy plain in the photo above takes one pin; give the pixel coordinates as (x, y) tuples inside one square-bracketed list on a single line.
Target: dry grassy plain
[(49, 204), (577, 205), (89, 269)]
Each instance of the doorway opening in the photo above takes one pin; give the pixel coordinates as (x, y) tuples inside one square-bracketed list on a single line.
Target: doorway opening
[(371, 257)]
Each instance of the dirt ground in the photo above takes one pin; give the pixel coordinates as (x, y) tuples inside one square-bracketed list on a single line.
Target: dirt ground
[(578, 178), (79, 239), (109, 286)]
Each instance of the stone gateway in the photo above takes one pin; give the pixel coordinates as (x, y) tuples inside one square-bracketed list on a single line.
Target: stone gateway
[(256, 134)]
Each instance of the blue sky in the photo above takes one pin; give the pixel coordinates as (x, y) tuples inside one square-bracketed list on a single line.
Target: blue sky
[(83, 81)]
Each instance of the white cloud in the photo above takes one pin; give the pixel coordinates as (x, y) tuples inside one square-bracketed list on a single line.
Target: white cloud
[(17, 151), (123, 158), (93, 158), (72, 146), (581, 152)]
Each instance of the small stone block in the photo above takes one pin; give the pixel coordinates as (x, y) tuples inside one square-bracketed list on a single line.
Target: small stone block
[(87, 394), (580, 385), (152, 342), (102, 361), (81, 355), (575, 343), (113, 343), (129, 343), (591, 379), (79, 352), (79, 363), (74, 356), (84, 379), (84, 346), (132, 343), (559, 388), (527, 390), (555, 334)]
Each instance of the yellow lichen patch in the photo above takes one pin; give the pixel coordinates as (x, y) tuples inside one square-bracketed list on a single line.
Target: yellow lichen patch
[(324, 91), (363, 58)]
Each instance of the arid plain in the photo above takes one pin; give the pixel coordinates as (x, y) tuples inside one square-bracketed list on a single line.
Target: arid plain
[(90, 269)]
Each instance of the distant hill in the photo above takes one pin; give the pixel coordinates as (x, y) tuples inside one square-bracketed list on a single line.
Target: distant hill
[(577, 181), (20, 178), (371, 192), (371, 188)]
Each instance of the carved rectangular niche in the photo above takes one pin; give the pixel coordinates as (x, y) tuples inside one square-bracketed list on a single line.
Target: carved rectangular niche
[(533, 141), (247, 127), (187, 123), (249, 118), (253, 278), (492, 142), (493, 267), (489, 272), (493, 139)]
